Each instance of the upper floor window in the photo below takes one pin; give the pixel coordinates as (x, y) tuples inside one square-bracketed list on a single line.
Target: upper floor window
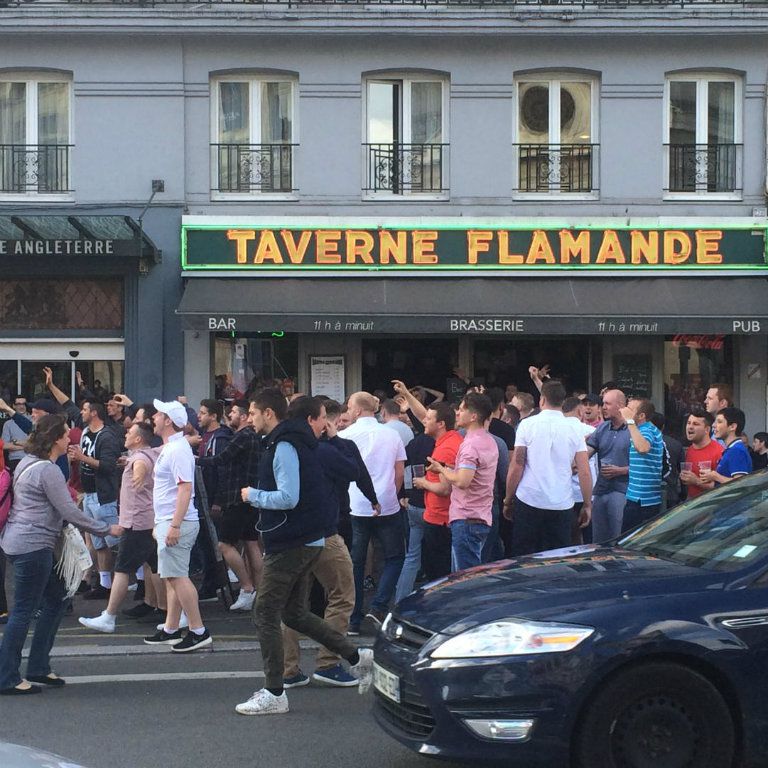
[(556, 135), (35, 135), (253, 135), (406, 137), (703, 135)]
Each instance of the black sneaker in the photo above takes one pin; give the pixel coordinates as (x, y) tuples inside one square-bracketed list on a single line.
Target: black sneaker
[(140, 592), (161, 637), (140, 611), (97, 593), (192, 642), (207, 595)]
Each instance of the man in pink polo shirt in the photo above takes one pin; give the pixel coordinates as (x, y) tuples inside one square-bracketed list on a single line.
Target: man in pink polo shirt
[(472, 482)]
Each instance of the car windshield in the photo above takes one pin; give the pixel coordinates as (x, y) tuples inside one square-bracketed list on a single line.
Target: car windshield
[(723, 530)]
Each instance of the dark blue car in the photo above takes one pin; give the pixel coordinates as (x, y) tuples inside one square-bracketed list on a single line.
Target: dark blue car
[(652, 653)]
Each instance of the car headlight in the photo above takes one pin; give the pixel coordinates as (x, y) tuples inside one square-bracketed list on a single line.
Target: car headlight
[(513, 637)]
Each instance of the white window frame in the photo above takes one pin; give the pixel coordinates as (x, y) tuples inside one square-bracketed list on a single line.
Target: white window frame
[(702, 79), (254, 118), (32, 80), (553, 81), (406, 79)]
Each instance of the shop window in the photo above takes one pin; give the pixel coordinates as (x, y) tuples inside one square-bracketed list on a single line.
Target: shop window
[(692, 364), (253, 136), (60, 304), (246, 363), (9, 372), (35, 135), (556, 135), (703, 135), (406, 138)]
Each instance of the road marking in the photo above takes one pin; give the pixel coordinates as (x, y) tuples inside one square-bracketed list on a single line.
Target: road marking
[(161, 677)]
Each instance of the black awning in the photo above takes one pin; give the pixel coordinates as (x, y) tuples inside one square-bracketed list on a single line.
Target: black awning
[(34, 235), (478, 305)]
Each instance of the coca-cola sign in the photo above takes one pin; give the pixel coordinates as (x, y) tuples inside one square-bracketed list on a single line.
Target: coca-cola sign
[(698, 341)]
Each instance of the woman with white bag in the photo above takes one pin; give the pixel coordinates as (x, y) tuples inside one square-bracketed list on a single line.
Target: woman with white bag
[(41, 505)]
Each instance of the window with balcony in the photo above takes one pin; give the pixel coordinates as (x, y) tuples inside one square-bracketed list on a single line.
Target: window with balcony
[(556, 135), (35, 136), (406, 149), (703, 130), (253, 145)]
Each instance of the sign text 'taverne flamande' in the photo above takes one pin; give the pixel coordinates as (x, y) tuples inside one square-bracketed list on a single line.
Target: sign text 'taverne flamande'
[(425, 249)]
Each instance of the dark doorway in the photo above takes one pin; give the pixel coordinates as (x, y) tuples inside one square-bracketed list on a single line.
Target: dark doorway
[(427, 361), (502, 362)]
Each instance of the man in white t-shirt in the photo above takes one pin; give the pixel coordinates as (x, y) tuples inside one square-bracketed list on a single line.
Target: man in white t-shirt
[(176, 529), (539, 479), (383, 453), (573, 415)]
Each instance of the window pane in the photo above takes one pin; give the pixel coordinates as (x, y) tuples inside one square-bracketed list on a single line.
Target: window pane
[(8, 373), (13, 119), (426, 113), (575, 113), (682, 112), (276, 113), (33, 380), (234, 108), (53, 113), (533, 113), (382, 114), (692, 364), (720, 123), (102, 377)]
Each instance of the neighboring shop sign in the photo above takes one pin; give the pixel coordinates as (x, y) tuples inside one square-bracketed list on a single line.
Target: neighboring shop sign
[(475, 325), (433, 247)]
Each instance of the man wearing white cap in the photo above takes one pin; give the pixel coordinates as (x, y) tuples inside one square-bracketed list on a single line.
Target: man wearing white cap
[(176, 528)]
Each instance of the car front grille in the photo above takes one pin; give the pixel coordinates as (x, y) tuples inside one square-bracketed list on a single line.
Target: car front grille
[(411, 716), (407, 635)]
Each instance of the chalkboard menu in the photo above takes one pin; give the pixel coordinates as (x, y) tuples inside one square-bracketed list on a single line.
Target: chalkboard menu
[(632, 374)]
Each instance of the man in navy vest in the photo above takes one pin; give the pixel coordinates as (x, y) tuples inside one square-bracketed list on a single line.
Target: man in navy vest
[(293, 498)]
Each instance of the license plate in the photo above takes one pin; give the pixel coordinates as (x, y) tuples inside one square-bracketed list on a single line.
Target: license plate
[(386, 683)]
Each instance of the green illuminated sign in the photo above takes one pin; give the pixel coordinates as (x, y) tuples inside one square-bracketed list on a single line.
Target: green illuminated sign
[(470, 248)]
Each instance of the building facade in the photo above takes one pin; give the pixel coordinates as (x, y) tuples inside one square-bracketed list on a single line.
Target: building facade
[(353, 192)]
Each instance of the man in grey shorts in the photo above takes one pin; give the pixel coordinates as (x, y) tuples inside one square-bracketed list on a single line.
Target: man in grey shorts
[(176, 528)]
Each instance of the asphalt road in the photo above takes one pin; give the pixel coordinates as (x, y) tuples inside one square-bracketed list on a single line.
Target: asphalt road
[(129, 705)]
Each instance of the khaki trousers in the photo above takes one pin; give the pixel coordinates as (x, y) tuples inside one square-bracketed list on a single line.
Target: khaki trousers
[(333, 569)]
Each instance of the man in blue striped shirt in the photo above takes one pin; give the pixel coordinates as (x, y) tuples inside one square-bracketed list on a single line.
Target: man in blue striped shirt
[(646, 450)]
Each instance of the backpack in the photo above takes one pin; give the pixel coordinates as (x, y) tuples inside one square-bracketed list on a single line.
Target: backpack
[(6, 491)]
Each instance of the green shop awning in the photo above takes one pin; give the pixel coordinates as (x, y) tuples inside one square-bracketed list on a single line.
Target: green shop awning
[(98, 236), (478, 306)]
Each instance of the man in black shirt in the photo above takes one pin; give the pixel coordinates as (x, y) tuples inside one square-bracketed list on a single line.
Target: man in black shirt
[(498, 427)]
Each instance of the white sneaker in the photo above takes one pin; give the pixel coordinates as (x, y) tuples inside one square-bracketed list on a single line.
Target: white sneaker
[(264, 703), (183, 622), (244, 602), (102, 623), (363, 670)]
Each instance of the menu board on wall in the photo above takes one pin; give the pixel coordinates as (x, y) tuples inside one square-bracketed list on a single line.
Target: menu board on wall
[(327, 373), (633, 374)]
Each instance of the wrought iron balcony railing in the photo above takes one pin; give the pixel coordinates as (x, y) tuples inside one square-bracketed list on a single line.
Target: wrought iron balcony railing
[(253, 168), (34, 168), (704, 168), (405, 169), (557, 168)]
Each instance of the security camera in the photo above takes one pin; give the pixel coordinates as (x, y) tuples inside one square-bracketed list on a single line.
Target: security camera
[(74, 353)]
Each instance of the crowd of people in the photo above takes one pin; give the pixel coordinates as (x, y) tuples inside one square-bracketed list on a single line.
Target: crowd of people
[(362, 498)]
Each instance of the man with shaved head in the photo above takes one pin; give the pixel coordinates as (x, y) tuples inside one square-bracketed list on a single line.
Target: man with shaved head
[(610, 441), (384, 456)]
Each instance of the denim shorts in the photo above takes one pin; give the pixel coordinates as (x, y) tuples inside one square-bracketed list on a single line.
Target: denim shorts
[(173, 562), (104, 513)]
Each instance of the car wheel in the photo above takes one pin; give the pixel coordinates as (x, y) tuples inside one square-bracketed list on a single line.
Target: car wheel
[(656, 716)]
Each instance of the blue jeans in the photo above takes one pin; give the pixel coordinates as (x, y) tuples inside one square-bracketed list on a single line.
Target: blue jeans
[(467, 541), (493, 549), (412, 562), (35, 586), (389, 531)]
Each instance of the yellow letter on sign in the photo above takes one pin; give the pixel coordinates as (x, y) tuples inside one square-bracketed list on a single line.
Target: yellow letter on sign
[(241, 237), (677, 247)]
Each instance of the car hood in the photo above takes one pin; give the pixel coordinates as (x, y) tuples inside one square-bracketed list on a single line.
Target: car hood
[(548, 585), (16, 756)]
